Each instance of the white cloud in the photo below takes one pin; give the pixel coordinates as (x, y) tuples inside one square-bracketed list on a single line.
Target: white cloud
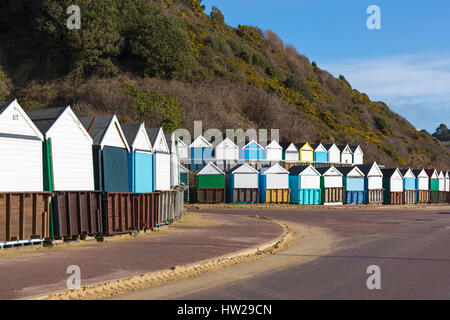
[(415, 86)]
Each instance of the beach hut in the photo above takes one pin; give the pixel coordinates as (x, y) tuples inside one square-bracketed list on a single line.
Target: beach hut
[(409, 186), (200, 152), (226, 153), (422, 186), (320, 153), (334, 154), (290, 154), (252, 152), (393, 186), (346, 154), (20, 150), (210, 184), (306, 152), (433, 185), (67, 150), (162, 161), (274, 184), (373, 182), (273, 152), (110, 153), (358, 154), (331, 185), (183, 150), (184, 180), (442, 195), (174, 160), (242, 184), (354, 188), (304, 182), (140, 158)]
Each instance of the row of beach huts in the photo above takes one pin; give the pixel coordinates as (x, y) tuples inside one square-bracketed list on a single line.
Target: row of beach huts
[(226, 154), (305, 184), (62, 176)]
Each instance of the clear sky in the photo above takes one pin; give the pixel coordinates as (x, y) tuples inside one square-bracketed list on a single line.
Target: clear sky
[(406, 63)]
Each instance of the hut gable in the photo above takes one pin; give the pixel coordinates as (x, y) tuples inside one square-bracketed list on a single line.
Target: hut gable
[(329, 171), (346, 154), (242, 169), (253, 145), (353, 172), (273, 151), (304, 170), (407, 173), (319, 147), (158, 140), (105, 131), (137, 137), (274, 145), (14, 121), (420, 173), (210, 169), (182, 149), (288, 146), (274, 169), (200, 142), (358, 154)]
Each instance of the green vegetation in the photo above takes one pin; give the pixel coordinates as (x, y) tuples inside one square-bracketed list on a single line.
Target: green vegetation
[(167, 62), (442, 133), (165, 108)]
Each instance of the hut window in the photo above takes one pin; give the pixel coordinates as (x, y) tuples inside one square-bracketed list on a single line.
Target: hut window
[(15, 117)]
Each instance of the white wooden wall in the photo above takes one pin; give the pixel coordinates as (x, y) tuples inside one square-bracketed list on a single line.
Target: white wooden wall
[(346, 158), (396, 184), (310, 182), (277, 181), (334, 156), (227, 153), (358, 159), (333, 181), (72, 156), (245, 180), (162, 169), (375, 183), (274, 154), (423, 183), (20, 165)]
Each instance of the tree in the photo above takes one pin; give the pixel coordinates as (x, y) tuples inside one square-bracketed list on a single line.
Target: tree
[(217, 15), (442, 133)]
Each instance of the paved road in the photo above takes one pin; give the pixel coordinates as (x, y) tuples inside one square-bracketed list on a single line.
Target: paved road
[(411, 247), (197, 237)]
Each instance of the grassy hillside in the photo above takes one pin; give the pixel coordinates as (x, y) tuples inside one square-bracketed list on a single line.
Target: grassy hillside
[(168, 63)]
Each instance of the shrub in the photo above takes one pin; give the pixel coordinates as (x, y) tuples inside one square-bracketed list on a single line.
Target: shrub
[(163, 46), (383, 124), (217, 15), (155, 104)]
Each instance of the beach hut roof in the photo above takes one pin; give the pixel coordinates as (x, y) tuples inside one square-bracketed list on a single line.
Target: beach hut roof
[(99, 126), (183, 169), (432, 173), (286, 145), (275, 168), (406, 172), (388, 173), (324, 170), (347, 170), (45, 118), (272, 145), (200, 142), (220, 144), (242, 168), (210, 169), (298, 170), (366, 168), (253, 142)]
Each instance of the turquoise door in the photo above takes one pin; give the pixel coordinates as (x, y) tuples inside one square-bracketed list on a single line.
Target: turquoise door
[(143, 173)]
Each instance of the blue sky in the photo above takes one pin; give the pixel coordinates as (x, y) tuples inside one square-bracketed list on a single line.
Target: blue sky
[(406, 63)]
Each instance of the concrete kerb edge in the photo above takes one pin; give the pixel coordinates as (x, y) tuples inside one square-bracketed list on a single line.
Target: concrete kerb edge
[(110, 288)]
